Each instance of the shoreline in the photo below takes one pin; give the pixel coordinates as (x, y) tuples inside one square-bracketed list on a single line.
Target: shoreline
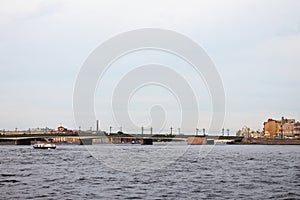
[(264, 141)]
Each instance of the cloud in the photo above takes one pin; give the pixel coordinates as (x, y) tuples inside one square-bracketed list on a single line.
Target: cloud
[(18, 11)]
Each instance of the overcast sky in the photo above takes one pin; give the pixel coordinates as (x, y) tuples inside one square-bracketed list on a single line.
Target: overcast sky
[(255, 46)]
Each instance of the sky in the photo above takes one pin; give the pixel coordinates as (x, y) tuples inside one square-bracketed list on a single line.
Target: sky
[(255, 46)]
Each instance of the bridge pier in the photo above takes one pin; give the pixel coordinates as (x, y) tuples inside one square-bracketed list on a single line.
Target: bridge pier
[(146, 141), (23, 142), (197, 140), (86, 141)]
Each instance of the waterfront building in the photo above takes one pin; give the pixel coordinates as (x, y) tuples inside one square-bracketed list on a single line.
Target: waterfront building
[(272, 128), (279, 128), (244, 132), (256, 134), (288, 130), (247, 132), (297, 130)]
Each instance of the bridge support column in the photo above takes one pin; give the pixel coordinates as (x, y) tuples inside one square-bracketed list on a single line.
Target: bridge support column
[(23, 142), (197, 140), (86, 141), (147, 141)]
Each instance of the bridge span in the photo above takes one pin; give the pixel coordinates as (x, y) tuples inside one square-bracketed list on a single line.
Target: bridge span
[(88, 139)]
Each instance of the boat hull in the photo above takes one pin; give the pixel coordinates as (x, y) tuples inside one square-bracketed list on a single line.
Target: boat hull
[(44, 147)]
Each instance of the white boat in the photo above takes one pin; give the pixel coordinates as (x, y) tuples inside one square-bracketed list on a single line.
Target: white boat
[(44, 146)]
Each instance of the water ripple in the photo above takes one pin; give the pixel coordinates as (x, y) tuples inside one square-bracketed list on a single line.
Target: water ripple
[(70, 172)]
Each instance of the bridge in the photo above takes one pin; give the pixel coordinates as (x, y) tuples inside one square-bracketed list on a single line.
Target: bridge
[(97, 138)]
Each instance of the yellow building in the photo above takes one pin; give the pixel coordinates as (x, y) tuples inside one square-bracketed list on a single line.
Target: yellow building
[(272, 128)]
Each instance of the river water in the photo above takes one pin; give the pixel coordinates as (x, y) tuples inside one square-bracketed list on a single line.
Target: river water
[(201, 172)]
